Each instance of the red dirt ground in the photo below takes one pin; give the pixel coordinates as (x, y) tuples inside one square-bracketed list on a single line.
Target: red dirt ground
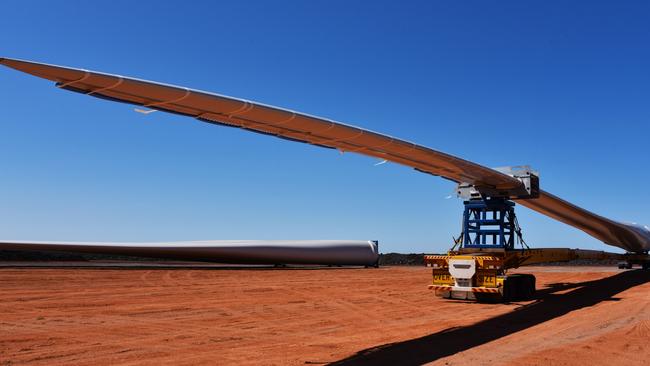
[(91, 316)]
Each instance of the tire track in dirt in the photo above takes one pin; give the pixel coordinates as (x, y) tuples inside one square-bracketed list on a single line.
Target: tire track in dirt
[(286, 317)]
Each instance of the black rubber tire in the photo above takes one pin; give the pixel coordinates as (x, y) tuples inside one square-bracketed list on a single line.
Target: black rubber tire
[(520, 286), (527, 286), (507, 289), (530, 287)]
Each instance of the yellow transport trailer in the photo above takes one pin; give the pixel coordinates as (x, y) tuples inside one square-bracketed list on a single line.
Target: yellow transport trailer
[(476, 267), (482, 274)]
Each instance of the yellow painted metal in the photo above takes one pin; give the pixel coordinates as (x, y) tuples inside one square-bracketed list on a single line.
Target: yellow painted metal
[(491, 266), (485, 278), (442, 277)]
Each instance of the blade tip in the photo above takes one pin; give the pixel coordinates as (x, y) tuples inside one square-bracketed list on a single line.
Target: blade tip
[(5, 61)]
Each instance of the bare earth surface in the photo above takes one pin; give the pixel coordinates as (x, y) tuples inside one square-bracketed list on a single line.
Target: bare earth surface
[(90, 316)]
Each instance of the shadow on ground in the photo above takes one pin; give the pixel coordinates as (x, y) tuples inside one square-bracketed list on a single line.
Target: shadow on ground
[(548, 306)]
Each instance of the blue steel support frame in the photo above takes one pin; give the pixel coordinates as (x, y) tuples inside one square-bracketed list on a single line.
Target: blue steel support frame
[(489, 223)]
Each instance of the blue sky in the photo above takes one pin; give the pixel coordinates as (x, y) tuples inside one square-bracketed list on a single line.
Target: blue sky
[(563, 86)]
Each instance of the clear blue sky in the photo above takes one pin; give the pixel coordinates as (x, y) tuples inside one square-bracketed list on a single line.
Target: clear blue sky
[(563, 86)]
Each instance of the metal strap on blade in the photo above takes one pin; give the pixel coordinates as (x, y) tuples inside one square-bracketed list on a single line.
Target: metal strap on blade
[(256, 124), (86, 76), (151, 110), (373, 147), (345, 139), (187, 94), (241, 110), (120, 80)]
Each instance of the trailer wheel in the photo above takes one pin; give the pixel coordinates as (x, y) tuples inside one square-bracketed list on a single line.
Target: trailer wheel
[(520, 286), (530, 286), (527, 286), (512, 288), (506, 294)]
